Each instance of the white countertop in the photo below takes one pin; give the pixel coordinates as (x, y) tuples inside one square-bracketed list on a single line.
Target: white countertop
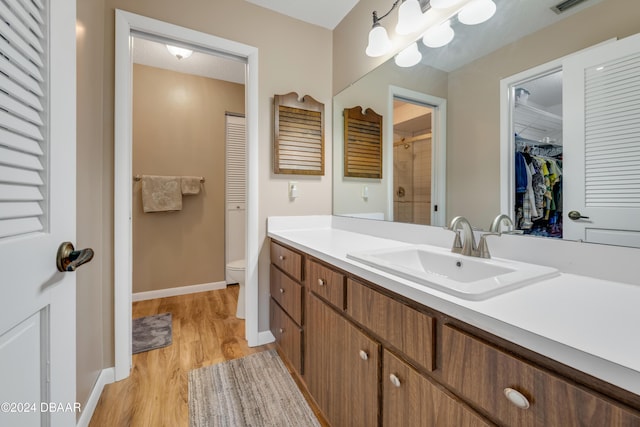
[(587, 323)]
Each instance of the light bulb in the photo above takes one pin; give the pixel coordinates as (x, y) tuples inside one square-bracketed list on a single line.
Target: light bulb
[(443, 4), (438, 36), (409, 17), (408, 57), (179, 52), (477, 12), (379, 42)]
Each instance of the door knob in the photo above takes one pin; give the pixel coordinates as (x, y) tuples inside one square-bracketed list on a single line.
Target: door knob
[(68, 259), (574, 215)]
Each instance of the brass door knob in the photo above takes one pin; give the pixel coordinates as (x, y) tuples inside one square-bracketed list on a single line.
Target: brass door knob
[(575, 215), (68, 259)]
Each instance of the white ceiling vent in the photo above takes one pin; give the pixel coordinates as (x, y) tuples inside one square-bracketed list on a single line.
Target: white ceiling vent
[(566, 5)]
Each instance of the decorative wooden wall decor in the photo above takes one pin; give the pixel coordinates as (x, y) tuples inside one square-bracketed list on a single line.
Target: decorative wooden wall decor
[(299, 135), (362, 143)]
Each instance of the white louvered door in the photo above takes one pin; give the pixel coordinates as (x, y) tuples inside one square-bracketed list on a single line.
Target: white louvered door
[(235, 189), (602, 144), (37, 212)]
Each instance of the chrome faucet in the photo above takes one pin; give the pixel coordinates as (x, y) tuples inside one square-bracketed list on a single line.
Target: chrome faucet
[(497, 222), (496, 225), (468, 244)]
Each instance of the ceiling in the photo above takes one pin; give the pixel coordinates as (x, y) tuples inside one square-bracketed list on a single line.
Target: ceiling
[(515, 18), (324, 13)]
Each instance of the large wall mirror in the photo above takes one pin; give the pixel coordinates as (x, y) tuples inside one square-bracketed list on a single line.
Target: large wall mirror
[(457, 88)]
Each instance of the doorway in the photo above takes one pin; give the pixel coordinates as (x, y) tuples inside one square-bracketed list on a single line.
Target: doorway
[(417, 164), (128, 24), (412, 162)]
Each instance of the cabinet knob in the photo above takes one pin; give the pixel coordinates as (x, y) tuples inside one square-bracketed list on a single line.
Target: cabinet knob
[(395, 380), (281, 291), (281, 257), (364, 355), (321, 282), (517, 398), (281, 331)]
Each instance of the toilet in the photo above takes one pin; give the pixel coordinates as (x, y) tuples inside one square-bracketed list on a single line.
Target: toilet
[(235, 274)]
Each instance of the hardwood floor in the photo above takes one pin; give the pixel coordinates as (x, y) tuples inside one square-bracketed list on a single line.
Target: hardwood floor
[(205, 332)]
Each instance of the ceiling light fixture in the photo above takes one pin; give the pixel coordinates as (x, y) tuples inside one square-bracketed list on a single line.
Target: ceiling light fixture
[(179, 52)]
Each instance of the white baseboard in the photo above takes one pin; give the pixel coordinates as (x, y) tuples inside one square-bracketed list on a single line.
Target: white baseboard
[(107, 376), (265, 337), (181, 290)]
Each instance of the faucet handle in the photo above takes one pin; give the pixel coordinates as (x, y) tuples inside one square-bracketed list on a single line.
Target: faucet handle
[(483, 248), (457, 243)]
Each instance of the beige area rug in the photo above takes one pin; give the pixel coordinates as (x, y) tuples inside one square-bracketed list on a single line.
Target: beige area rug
[(255, 390)]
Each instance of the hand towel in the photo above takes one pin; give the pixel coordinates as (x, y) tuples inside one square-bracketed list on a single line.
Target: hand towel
[(190, 185), (161, 193)]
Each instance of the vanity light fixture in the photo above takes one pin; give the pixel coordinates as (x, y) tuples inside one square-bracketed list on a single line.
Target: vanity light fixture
[(477, 12), (408, 57), (410, 19), (443, 4), (439, 35), (179, 52)]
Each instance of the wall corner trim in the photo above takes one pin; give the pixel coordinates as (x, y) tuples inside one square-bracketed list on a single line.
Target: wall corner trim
[(106, 376)]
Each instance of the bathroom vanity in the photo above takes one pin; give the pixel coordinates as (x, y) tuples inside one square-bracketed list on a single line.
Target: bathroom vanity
[(377, 349)]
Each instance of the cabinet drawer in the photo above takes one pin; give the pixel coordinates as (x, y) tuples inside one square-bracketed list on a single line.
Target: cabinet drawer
[(288, 335), (482, 373), (325, 282), (409, 399), (287, 260), (409, 330), (288, 293)]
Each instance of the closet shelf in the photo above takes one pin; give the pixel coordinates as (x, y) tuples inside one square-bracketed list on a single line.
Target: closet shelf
[(535, 124)]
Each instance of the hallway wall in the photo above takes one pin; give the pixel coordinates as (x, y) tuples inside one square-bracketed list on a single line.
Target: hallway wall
[(179, 129)]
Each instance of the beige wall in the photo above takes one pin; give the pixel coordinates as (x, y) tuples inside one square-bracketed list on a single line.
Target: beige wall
[(293, 56), (93, 334), (179, 129)]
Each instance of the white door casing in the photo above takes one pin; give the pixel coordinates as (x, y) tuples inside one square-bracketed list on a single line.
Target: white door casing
[(438, 154), (126, 24), (37, 308), (601, 168)]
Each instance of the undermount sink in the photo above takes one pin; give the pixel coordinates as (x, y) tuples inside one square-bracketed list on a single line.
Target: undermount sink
[(463, 276)]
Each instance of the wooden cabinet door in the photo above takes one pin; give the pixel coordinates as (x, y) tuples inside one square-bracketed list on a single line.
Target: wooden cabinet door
[(409, 399), (341, 367)]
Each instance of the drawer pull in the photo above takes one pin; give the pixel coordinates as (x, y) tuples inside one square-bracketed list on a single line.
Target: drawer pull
[(395, 380), (321, 282), (516, 398), (364, 355), (281, 331), (281, 291), (281, 257)]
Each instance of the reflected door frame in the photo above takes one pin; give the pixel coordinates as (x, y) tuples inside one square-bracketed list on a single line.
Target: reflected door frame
[(438, 154)]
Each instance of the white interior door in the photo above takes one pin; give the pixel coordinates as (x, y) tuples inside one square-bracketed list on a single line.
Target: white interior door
[(37, 212), (601, 183)]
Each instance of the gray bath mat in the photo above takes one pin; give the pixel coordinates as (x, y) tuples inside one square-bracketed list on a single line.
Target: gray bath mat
[(151, 332), (255, 390)]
